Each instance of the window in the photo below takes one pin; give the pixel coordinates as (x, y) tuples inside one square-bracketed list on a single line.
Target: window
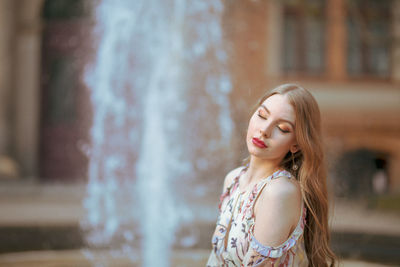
[(368, 38), (303, 36)]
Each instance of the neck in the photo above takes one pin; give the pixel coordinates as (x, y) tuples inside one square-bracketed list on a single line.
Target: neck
[(259, 169)]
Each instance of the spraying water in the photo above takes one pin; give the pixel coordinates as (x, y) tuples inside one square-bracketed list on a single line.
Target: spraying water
[(158, 74)]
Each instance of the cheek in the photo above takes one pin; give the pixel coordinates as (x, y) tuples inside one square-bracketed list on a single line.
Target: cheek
[(251, 128), (287, 141), (249, 133), (283, 140)]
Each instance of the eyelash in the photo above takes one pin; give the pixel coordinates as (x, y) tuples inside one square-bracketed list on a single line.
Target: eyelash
[(262, 117)]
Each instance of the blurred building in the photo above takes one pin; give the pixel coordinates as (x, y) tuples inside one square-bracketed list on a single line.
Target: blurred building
[(45, 111), (347, 52)]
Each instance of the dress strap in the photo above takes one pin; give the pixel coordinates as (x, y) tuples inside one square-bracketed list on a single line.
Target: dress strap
[(279, 173)]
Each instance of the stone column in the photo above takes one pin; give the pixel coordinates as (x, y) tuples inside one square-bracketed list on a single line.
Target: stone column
[(274, 38), (336, 39), (6, 68), (8, 165), (27, 88), (396, 41)]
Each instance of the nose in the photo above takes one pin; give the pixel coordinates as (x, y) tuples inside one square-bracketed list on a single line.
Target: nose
[(266, 130)]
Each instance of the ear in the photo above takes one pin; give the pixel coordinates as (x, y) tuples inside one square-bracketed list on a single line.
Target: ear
[(294, 148)]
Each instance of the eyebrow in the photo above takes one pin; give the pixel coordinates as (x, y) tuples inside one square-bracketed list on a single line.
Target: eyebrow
[(266, 109)]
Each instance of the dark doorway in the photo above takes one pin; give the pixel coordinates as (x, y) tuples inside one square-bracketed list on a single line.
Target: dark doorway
[(361, 173)]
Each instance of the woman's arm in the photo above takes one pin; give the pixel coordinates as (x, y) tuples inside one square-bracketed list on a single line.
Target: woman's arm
[(277, 212)]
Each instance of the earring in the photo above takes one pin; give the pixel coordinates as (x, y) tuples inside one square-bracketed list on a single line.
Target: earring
[(294, 165)]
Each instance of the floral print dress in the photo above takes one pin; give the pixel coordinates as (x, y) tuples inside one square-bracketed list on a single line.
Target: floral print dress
[(233, 242)]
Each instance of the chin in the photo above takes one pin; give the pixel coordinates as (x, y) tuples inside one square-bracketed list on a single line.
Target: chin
[(255, 152)]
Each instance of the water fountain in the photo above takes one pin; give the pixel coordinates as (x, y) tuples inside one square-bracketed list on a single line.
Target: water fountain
[(159, 89)]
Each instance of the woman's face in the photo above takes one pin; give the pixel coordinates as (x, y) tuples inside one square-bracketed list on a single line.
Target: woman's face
[(270, 134)]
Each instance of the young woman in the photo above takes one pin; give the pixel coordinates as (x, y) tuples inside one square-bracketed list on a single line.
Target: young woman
[(274, 210)]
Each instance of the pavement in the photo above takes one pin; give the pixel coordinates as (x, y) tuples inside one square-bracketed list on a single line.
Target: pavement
[(48, 206), (82, 258)]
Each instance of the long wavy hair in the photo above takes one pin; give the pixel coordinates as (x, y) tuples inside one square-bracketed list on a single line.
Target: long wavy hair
[(311, 172)]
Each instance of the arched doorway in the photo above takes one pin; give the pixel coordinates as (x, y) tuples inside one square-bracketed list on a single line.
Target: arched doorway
[(65, 109)]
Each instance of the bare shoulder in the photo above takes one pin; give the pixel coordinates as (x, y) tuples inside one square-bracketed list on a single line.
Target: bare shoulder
[(279, 207), (230, 176), (282, 194), (283, 189)]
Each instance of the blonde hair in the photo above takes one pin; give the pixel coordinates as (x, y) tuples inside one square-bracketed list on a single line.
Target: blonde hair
[(311, 172)]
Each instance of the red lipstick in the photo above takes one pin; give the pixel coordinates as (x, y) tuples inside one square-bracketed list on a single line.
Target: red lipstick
[(259, 143)]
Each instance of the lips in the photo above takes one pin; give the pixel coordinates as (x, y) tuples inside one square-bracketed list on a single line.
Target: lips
[(258, 143)]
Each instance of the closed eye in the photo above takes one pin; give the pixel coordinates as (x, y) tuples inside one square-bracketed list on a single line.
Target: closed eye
[(262, 117), (283, 131)]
